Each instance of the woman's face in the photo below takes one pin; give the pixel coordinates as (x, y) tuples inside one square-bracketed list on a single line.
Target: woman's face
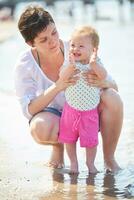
[(48, 40)]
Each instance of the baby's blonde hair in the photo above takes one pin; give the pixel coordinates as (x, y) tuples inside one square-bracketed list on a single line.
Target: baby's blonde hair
[(87, 31)]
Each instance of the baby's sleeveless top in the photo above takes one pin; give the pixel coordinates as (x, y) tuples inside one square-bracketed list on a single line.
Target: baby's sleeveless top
[(82, 96)]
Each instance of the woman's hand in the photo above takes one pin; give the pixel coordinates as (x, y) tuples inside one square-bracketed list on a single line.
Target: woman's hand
[(94, 81), (67, 77)]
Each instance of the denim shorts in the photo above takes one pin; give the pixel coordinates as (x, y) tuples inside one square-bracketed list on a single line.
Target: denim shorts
[(51, 110)]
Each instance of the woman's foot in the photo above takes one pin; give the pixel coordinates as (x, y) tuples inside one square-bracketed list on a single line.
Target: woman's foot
[(112, 166), (57, 157)]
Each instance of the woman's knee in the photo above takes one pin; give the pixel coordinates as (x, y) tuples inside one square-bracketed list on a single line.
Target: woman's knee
[(42, 132), (111, 99)]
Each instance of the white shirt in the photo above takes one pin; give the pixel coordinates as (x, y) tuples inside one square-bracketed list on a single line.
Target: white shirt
[(30, 81)]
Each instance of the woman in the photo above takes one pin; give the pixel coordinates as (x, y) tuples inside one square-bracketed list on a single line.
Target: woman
[(41, 91)]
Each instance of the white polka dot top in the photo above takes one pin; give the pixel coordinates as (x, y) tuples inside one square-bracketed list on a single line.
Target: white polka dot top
[(82, 96)]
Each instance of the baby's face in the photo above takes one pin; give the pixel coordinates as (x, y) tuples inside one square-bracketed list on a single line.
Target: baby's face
[(81, 47)]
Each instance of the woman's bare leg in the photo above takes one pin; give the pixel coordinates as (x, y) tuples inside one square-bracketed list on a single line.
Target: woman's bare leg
[(44, 128), (111, 117)]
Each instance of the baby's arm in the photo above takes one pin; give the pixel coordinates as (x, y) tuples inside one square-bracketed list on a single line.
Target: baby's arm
[(70, 72), (97, 68)]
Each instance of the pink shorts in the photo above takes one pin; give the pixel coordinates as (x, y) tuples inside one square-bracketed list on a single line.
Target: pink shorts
[(76, 124)]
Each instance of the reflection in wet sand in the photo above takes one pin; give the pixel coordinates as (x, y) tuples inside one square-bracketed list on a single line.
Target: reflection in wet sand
[(77, 187)]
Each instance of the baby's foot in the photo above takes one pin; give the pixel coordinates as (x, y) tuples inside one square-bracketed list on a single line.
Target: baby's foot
[(92, 169), (74, 168), (73, 172)]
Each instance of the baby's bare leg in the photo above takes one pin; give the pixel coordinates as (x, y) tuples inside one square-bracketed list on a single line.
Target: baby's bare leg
[(90, 158), (71, 151)]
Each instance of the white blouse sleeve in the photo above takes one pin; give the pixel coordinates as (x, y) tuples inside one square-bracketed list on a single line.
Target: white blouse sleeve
[(25, 85)]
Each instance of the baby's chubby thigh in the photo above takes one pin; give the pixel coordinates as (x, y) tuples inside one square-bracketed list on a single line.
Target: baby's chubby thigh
[(89, 128), (68, 133)]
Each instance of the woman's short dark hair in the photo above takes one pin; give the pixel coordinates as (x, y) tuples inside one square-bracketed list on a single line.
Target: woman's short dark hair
[(32, 21)]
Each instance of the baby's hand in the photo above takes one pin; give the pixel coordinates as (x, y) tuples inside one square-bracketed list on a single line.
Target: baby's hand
[(71, 59), (68, 71), (97, 68), (69, 75), (93, 58)]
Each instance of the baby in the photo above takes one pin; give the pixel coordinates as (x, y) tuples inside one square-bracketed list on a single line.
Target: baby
[(80, 114)]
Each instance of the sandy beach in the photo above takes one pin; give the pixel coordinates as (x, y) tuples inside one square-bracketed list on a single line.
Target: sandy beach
[(7, 29), (23, 174), (23, 171), (19, 173)]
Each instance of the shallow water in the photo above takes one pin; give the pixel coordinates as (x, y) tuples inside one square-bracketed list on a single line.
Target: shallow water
[(23, 174)]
